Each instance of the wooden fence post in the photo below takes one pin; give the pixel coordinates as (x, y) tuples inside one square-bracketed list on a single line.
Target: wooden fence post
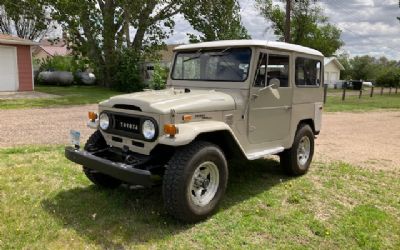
[(360, 94), (325, 92), (382, 91), (372, 92), (344, 94)]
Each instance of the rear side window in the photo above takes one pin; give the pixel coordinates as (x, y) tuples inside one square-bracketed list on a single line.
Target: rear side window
[(308, 72)]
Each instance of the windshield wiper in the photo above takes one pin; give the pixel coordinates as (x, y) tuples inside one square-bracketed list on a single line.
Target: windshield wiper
[(221, 53), (197, 55)]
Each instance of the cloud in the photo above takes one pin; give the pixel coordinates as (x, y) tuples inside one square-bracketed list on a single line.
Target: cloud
[(368, 26)]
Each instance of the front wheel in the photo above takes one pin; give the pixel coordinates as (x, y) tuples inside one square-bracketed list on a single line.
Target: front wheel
[(195, 181), (296, 160)]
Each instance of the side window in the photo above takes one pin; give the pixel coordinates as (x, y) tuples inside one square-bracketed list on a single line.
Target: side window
[(308, 72), (278, 67), (259, 80)]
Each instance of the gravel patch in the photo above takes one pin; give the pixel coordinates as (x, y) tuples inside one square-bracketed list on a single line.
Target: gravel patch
[(25, 95), (43, 126), (370, 139)]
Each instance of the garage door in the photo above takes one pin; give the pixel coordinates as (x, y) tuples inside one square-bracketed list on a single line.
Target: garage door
[(8, 69)]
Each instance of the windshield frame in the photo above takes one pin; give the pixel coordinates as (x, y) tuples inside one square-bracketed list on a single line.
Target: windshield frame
[(216, 50)]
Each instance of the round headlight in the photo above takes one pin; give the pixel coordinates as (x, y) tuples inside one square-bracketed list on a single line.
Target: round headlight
[(148, 129), (104, 121)]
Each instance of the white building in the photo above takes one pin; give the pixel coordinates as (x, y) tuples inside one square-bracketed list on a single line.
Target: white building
[(332, 71)]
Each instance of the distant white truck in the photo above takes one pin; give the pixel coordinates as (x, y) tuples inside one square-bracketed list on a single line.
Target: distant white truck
[(367, 84)]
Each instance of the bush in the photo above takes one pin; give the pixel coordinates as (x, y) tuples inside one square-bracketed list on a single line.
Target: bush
[(57, 63), (390, 77), (160, 76), (128, 77)]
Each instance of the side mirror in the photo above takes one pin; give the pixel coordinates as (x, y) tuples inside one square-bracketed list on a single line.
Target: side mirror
[(274, 83)]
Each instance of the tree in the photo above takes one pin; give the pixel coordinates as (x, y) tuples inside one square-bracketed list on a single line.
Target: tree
[(100, 29), (28, 19), (215, 20), (363, 67), (345, 74), (382, 71), (398, 18), (389, 77), (309, 26)]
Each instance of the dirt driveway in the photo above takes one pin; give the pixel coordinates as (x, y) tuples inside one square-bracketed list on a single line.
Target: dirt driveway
[(370, 139), (43, 126)]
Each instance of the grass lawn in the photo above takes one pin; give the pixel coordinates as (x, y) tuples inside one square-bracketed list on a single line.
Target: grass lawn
[(366, 103), (46, 202), (73, 95)]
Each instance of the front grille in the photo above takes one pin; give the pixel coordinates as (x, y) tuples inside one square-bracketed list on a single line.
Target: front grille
[(127, 124)]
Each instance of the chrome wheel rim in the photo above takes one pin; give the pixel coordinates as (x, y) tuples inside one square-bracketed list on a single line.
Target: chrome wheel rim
[(303, 150), (204, 184)]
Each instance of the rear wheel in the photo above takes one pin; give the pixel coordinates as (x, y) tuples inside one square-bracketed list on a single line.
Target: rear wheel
[(195, 181), (94, 143), (296, 160)]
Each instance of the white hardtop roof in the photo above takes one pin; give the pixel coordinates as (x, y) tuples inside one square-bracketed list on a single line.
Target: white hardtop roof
[(242, 43)]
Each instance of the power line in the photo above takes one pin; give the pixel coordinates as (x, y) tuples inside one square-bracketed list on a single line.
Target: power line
[(340, 6)]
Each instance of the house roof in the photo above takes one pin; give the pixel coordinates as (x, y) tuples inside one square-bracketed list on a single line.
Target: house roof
[(52, 47), (260, 43), (55, 50), (13, 40), (328, 60)]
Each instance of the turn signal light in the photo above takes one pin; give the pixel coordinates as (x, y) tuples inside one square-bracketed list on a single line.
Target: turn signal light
[(187, 118), (170, 129), (92, 116)]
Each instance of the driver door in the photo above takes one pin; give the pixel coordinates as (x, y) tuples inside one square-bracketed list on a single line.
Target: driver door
[(270, 107)]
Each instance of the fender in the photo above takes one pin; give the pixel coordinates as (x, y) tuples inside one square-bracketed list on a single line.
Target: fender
[(189, 131)]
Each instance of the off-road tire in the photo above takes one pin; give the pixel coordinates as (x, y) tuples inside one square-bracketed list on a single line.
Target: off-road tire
[(178, 176), (289, 157), (96, 142)]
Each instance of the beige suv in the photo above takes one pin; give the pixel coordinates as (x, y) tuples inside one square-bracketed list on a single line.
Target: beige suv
[(223, 99)]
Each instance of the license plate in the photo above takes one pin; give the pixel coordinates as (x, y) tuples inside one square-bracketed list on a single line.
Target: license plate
[(75, 137)]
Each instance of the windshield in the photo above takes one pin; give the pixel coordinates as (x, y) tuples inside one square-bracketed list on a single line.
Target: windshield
[(228, 64)]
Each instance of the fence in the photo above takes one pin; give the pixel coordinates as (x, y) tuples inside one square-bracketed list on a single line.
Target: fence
[(371, 92)]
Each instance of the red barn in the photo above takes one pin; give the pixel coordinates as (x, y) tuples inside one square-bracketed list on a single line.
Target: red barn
[(16, 72)]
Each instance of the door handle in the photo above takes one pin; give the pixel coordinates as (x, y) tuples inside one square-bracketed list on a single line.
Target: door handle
[(254, 96), (288, 107)]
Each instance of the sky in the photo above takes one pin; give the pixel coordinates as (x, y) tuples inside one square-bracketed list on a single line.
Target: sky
[(369, 27)]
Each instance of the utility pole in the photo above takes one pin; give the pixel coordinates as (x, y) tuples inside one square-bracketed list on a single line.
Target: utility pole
[(287, 21)]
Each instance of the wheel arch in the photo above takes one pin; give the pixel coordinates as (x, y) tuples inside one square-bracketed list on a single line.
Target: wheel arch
[(215, 132), (225, 140), (309, 122)]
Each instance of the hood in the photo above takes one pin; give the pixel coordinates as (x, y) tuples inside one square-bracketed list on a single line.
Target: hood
[(162, 101)]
